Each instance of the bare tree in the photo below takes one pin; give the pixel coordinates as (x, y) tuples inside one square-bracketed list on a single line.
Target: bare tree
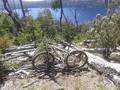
[(59, 4), (12, 15), (108, 4), (76, 20), (61, 7), (14, 5), (75, 15), (21, 4)]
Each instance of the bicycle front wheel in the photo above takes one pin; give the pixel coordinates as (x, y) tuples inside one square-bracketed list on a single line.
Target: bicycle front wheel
[(41, 59), (76, 59)]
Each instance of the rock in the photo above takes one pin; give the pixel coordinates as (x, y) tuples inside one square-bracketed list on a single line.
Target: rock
[(19, 74)]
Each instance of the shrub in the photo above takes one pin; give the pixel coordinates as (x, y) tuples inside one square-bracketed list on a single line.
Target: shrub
[(59, 37), (106, 33), (23, 38), (69, 33), (118, 40), (81, 37), (4, 43), (39, 35)]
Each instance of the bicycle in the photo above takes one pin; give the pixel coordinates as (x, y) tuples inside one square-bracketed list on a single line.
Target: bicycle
[(51, 57), (72, 59)]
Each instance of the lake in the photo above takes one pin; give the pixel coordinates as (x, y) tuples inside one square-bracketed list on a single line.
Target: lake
[(85, 14)]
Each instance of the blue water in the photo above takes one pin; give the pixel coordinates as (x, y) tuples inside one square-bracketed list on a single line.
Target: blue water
[(84, 14)]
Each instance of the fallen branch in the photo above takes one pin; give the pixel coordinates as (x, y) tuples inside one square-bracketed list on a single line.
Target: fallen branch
[(29, 84), (20, 48), (110, 70)]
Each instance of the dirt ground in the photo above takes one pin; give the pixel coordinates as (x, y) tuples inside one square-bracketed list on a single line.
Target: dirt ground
[(86, 80)]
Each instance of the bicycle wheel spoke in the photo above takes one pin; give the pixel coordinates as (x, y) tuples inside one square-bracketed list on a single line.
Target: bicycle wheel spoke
[(76, 59), (39, 60), (83, 58), (42, 58)]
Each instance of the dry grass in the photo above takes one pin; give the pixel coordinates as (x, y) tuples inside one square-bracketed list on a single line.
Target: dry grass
[(86, 81)]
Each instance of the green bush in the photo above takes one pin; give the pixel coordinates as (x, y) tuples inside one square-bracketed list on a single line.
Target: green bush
[(23, 38), (69, 32), (58, 37), (39, 35), (81, 37), (118, 40), (4, 43)]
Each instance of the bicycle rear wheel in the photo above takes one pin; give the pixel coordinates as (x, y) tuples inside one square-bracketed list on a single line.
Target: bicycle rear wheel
[(76, 59), (42, 58)]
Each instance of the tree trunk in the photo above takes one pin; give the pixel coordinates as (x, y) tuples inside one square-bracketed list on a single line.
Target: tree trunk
[(106, 53), (61, 6), (11, 14), (34, 37), (108, 4), (21, 4), (76, 21)]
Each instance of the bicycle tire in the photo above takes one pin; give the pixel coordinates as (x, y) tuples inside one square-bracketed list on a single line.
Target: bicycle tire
[(47, 75), (42, 58), (79, 62)]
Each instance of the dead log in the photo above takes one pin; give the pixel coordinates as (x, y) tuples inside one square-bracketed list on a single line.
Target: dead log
[(110, 70), (111, 73), (20, 48), (13, 55)]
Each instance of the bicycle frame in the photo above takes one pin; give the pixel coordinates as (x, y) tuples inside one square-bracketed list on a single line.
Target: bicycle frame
[(57, 51)]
